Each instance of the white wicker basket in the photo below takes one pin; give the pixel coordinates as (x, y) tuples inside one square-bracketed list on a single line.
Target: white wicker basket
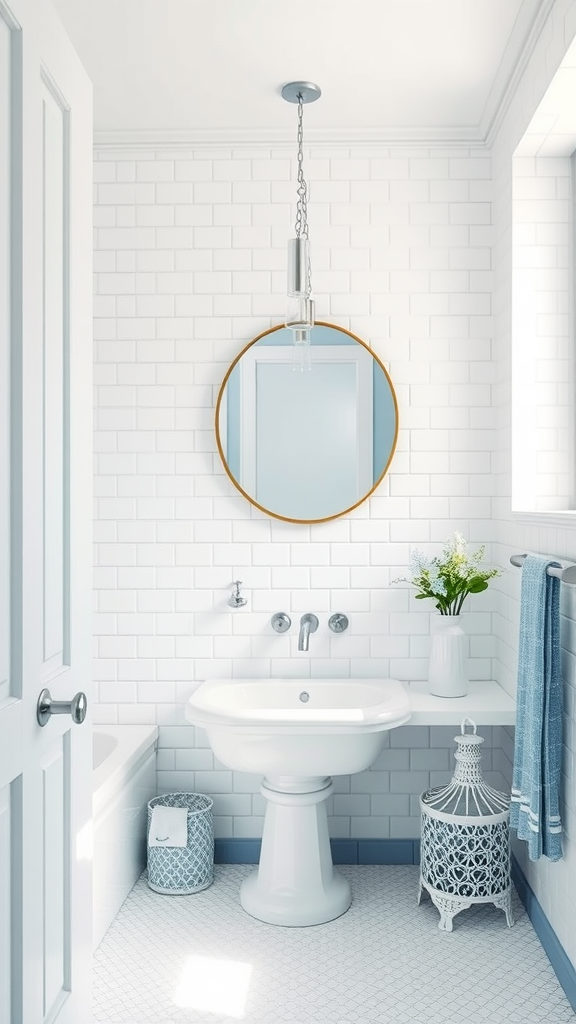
[(465, 843)]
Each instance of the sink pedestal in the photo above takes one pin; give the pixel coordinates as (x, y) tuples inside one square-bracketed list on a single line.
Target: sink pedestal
[(296, 883)]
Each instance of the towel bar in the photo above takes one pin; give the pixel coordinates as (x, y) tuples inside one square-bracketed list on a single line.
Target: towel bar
[(566, 572)]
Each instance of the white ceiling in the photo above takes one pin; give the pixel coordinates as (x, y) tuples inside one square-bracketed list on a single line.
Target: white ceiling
[(387, 68)]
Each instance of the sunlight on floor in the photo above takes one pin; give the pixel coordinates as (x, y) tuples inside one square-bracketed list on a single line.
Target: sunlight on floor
[(216, 986)]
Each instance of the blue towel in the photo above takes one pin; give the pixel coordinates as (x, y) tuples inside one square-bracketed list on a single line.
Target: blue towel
[(535, 810)]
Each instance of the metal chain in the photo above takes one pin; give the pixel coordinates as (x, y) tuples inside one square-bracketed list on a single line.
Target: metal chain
[(302, 206), (301, 225)]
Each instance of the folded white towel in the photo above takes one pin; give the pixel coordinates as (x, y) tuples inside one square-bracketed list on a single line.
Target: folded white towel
[(168, 826)]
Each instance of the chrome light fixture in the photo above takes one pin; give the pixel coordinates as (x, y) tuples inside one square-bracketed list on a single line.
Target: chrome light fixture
[(300, 316)]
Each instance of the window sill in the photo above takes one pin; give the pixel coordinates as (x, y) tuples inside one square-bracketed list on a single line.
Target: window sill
[(564, 517)]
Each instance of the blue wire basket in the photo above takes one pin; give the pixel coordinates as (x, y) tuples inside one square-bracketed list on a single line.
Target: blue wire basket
[(183, 870)]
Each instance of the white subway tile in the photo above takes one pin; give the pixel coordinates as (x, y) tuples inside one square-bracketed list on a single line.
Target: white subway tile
[(322, 577), (193, 170), (189, 216), (404, 828), (349, 169), (470, 213), (173, 669), (424, 168), (116, 194), (136, 714), (192, 647), (389, 168), (126, 170)]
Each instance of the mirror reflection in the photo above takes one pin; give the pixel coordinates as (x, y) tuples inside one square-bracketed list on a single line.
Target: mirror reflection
[(307, 446)]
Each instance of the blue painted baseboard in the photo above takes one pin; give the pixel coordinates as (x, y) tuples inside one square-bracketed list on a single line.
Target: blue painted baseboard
[(375, 851), (563, 967), (407, 851), (237, 851), (344, 851)]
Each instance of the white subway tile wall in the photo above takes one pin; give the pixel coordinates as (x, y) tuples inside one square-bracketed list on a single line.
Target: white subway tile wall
[(542, 333), (553, 884), (189, 266)]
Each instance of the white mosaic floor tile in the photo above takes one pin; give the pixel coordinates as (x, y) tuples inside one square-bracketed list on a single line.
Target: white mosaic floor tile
[(201, 959)]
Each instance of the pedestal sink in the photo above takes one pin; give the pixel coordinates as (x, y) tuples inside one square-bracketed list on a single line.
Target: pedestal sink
[(297, 734)]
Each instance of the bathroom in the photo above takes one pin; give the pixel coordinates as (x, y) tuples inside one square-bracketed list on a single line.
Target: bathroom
[(414, 242)]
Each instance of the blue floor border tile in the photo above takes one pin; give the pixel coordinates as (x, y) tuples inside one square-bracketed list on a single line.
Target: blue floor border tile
[(562, 966)]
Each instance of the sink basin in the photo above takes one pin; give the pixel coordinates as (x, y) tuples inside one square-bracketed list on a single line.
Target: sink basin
[(298, 727), (346, 703), (297, 733)]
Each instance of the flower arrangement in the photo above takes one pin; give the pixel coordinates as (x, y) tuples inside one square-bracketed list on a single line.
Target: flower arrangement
[(449, 577)]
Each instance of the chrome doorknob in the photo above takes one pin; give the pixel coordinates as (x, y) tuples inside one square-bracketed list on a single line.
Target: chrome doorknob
[(76, 707)]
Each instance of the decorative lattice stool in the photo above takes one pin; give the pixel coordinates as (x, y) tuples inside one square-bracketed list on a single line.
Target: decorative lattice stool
[(465, 848)]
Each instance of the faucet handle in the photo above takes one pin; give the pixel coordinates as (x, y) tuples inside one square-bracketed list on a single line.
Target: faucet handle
[(338, 622), (280, 622), (236, 600)]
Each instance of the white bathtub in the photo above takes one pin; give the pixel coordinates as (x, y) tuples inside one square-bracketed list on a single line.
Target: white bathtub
[(124, 780)]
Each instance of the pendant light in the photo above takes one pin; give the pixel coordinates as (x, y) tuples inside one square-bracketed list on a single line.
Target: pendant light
[(300, 315)]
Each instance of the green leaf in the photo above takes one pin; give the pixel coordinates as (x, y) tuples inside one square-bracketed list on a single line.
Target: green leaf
[(477, 585)]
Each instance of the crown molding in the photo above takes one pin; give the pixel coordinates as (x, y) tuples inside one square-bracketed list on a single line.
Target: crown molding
[(217, 138), (512, 68)]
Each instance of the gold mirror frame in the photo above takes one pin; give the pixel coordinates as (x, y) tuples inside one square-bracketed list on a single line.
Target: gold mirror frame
[(237, 485)]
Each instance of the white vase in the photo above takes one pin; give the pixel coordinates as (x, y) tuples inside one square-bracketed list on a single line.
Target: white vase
[(448, 665)]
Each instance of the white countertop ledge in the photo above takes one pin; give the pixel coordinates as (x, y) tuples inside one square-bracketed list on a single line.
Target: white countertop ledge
[(486, 704)]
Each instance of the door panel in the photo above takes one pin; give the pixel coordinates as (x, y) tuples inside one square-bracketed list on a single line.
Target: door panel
[(45, 447), (5, 104), (10, 519), (9, 107), (55, 159), (56, 871), (5, 903)]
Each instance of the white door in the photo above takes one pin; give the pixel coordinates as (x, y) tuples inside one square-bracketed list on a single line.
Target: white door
[(45, 514)]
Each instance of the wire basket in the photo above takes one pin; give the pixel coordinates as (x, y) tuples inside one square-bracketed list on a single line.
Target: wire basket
[(176, 870)]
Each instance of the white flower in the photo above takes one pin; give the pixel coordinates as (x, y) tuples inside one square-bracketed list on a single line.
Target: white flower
[(419, 562), (438, 587)]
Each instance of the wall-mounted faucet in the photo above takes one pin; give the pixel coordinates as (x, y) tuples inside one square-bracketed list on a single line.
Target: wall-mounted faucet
[(308, 624), (281, 623)]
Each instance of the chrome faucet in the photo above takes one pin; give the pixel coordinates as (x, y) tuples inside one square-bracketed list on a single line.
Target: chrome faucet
[(308, 624)]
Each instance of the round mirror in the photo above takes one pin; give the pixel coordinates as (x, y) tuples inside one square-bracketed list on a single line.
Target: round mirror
[(306, 445)]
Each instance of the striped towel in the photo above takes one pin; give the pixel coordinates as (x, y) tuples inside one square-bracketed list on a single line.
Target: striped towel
[(535, 810)]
